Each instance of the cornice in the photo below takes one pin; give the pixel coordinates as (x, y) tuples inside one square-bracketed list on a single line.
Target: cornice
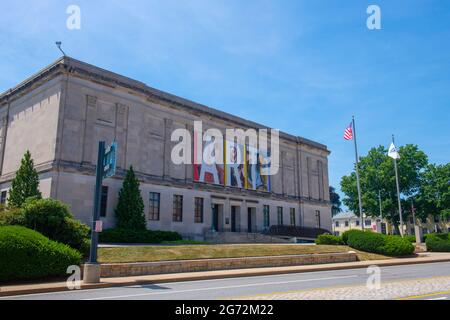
[(96, 74)]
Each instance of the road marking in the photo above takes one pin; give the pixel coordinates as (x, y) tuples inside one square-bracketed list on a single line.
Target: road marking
[(441, 298), (425, 295), (224, 287), (359, 271), (331, 288)]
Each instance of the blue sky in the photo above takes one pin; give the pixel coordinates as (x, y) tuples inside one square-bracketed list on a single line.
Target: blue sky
[(304, 67)]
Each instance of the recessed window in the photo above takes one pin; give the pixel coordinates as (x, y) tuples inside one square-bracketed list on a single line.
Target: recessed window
[(317, 218), (154, 205), (177, 208), (3, 196), (266, 213), (337, 224), (280, 215), (198, 210), (346, 223), (292, 216)]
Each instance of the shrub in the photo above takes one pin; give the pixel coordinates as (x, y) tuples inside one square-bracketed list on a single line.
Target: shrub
[(397, 246), (347, 233), (53, 219), (329, 239), (27, 254), (379, 243), (411, 238), (130, 206), (137, 236), (438, 242), (12, 216)]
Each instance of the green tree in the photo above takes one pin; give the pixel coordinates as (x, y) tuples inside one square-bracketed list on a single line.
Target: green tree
[(25, 184), (377, 175), (130, 207), (434, 192), (335, 201)]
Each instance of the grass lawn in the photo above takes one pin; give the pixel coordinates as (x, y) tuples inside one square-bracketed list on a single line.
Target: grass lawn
[(186, 252)]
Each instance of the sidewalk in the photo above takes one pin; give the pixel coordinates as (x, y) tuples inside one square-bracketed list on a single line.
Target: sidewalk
[(427, 257)]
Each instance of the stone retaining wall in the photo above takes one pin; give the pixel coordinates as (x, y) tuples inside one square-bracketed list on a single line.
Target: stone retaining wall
[(162, 267)]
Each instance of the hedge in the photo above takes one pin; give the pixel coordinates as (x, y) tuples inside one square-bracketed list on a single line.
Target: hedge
[(27, 254), (329, 239), (379, 243), (53, 219), (347, 233), (438, 242), (137, 236)]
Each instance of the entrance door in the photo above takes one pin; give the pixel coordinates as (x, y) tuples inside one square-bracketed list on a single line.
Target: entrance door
[(215, 217), (249, 220), (233, 219)]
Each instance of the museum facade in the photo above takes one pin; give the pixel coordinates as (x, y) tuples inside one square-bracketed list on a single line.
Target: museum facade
[(61, 112)]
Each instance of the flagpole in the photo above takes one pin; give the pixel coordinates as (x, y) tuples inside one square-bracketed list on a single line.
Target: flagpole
[(357, 175), (398, 193)]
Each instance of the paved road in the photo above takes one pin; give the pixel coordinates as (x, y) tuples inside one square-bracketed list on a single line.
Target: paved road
[(410, 281)]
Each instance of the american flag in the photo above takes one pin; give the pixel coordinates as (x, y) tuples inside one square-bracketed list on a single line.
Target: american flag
[(348, 133)]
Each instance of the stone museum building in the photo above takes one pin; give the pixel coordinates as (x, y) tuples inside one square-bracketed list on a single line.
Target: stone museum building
[(61, 112)]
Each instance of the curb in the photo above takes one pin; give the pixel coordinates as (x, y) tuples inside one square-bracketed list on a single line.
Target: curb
[(223, 274)]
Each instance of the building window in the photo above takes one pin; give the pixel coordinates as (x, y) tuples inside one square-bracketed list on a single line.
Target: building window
[(198, 210), (357, 223), (411, 220), (292, 214), (103, 201), (280, 215), (337, 224), (317, 218), (3, 197), (266, 213), (368, 223), (155, 204), (177, 208), (436, 219), (346, 223)]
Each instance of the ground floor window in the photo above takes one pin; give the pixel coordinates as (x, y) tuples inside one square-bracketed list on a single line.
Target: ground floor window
[(198, 210), (266, 213), (317, 218), (292, 214), (177, 208), (154, 205), (3, 196), (280, 215)]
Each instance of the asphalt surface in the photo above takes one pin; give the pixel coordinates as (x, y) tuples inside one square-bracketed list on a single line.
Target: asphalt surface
[(251, 286)]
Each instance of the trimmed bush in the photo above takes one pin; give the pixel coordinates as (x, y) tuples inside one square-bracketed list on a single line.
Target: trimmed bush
[(13, 216), (379, 243), (411, 238), (53, 219), (438, 242), (397, 246), (347, 233), (27, 254), (137, 236), (329, 239)]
